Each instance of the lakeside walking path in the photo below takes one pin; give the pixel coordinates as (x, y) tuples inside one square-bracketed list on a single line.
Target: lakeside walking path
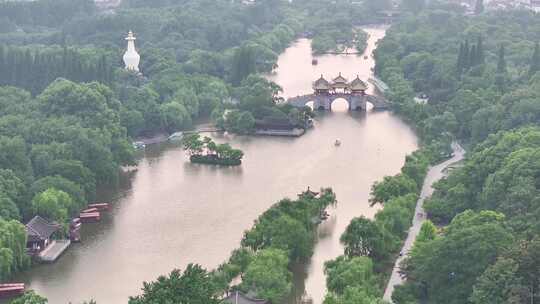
[(434, 174)]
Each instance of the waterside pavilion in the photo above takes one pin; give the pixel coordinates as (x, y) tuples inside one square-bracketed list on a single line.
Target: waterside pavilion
[(39, 232)]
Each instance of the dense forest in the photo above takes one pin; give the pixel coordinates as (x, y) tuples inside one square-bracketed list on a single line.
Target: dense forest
[(34, 71), (480, 78), (69, 111)]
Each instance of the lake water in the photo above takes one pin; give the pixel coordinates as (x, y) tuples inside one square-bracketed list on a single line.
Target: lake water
[(170, 213)]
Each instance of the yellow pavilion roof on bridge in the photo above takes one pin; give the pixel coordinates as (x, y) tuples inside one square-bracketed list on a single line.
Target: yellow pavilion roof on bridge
[(321, 84), (340, 82), (358, 85), (340, 79)]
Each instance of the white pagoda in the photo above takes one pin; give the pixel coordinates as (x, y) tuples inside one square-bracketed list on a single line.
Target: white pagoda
[(131, 57)]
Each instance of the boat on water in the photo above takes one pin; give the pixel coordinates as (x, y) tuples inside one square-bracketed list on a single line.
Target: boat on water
[(139, 145), (314, 62), (324, 215), (337, 143), (11, 290), (175, 136)]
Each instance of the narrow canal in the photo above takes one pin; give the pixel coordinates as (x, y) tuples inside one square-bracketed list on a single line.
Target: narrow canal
[(170, 213)]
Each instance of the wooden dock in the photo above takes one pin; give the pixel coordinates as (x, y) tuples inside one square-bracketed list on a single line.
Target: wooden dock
[(287, 133), (54, 250)]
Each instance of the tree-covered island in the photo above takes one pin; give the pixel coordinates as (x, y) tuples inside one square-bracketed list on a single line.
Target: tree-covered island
[(206, 151)]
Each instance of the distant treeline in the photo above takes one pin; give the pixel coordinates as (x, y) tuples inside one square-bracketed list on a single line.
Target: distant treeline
[(48, 13), (33, 70)]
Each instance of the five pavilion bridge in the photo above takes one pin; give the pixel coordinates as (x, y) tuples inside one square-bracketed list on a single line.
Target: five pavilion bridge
[(325, 93)]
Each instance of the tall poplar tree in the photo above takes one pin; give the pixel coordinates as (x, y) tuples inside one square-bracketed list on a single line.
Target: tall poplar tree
[(501, 63), (500, 78), (460, 59), (466, 55), (472, 56), (535, 61), (479, 50)]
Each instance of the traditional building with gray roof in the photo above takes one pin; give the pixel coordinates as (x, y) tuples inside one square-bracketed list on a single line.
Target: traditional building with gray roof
[(237, 297), (39, 232), (358, 86)]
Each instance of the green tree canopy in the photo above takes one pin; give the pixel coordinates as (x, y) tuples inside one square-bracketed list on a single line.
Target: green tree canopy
[(364, 237), (53, 204), (267, 275), (390, 187), (192, 286)]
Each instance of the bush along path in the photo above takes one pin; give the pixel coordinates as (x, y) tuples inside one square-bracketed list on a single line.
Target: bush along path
[(434, 174)]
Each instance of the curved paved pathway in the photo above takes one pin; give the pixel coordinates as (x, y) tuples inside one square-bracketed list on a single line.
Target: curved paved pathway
[(434, 174)]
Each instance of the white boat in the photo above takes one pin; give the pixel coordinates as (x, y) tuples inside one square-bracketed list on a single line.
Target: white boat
[(139, 145), (175, 136)]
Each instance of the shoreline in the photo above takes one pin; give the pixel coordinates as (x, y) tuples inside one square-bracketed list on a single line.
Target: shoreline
[(435, 173)]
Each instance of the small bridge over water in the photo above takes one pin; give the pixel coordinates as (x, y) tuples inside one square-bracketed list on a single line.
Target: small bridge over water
[(325, 93)]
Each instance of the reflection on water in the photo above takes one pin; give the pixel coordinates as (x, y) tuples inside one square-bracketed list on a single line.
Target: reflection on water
[(172, 213)]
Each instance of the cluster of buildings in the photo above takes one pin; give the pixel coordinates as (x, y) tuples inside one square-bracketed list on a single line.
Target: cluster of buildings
[(533, 5), (107, 4), (512, 4), (45, 240)]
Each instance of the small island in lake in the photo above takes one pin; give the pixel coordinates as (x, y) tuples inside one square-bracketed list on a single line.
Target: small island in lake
[(206, 151)]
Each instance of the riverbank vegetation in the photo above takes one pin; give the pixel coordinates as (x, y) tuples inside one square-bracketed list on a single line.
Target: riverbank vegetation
[(282, 236), (481, 82), (371, 245), (69, 110), (61, 138), (55, 149), (206, 151)]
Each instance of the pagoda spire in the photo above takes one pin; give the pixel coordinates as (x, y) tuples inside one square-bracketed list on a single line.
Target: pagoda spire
[(131, 57)]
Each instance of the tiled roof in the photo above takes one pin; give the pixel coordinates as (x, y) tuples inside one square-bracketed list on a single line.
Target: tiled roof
[(357, 84), (237, 297), (39, 228), (340, 79), (321, 84)]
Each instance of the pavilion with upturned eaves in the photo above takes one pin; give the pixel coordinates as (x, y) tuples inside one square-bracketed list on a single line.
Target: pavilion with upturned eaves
[(339, 85), (357, 86), (326, 92)]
